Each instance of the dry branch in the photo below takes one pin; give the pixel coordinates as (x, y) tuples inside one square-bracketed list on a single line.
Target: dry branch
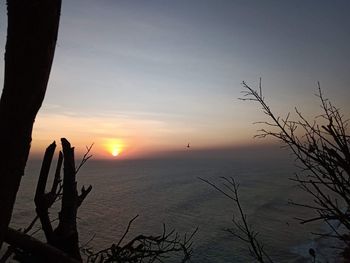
[(242, 229), (321, 148)]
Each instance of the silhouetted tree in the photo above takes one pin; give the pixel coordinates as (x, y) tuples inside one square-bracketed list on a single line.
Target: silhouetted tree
[(145, 248), (63, 242), (321, 148), (242, 229), (31, 40)]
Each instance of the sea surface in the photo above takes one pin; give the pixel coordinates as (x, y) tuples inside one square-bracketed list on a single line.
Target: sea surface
[(168, 191)]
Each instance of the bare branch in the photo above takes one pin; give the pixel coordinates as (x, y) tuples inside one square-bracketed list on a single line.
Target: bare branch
[(322, 149), (245, 231)]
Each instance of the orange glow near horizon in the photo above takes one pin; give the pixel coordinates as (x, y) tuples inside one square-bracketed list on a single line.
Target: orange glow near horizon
[(114, 146)]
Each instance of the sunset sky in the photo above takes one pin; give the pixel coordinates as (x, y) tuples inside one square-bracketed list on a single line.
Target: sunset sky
[(139, 78)]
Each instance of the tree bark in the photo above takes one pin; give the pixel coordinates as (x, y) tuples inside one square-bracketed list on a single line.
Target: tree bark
[(31, 40)]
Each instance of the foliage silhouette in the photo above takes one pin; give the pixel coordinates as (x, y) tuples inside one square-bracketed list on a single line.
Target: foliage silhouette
[(321, 149), (63, 242)]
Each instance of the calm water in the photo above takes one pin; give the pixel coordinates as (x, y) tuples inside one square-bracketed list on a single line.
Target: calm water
[(169, 191)]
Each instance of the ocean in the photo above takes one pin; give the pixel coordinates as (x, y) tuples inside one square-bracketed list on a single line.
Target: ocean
[(168, 191)]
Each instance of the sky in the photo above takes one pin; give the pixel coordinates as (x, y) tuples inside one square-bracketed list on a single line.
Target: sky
[(141, 78)]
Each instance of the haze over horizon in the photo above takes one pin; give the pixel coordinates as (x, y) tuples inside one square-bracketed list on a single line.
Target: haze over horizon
[(141, 78)]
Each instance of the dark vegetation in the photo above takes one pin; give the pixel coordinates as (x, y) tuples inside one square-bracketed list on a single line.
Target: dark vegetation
[(321, 151), (321, 148), (30, 47), (63, 241), (241, 227)]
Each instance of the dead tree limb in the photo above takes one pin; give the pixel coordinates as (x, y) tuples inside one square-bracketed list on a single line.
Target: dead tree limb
[(44, 201), (43, 252), (242, 229), (66, 234), (144, 248)]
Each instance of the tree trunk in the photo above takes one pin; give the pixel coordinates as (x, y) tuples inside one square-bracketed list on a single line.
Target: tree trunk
[(31, 40)]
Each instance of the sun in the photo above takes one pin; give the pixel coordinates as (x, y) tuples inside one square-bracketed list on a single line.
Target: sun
[(115, 152), (114, 146)]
